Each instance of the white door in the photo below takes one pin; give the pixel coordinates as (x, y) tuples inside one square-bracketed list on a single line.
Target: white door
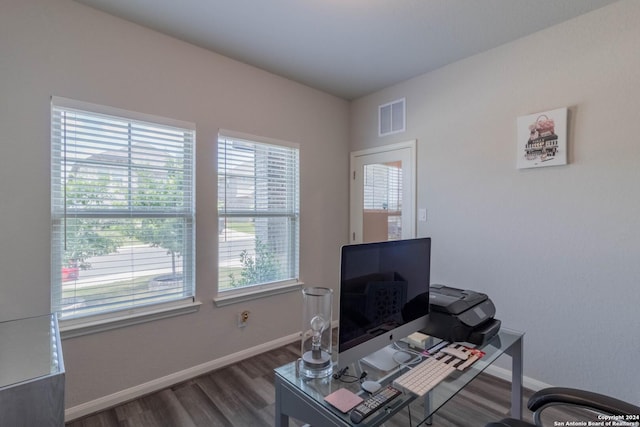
[(383, 191)]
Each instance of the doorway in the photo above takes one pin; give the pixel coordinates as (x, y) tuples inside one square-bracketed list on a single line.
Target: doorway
[(383, 191)]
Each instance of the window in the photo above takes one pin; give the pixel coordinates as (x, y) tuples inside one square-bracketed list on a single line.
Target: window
[(383, 196), (258, 208), (383, 186), (122, 203)]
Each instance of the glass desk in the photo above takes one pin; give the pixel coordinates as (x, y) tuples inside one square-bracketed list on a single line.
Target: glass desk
[(31, 373), (303, 398)]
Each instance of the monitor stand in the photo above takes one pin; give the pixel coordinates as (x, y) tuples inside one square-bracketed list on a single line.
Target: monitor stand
[(387, 358)]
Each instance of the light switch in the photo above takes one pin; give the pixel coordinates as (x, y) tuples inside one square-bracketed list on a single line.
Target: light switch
[(422, 215)]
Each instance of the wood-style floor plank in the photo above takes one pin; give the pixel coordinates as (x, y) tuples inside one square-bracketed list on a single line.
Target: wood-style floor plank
[(199, 406)]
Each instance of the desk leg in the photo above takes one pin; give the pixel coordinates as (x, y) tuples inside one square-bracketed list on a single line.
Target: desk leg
[(282, 420), (428, 418), (515, 351)]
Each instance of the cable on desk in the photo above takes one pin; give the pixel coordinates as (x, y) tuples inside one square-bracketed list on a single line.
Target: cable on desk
[(351, 378)]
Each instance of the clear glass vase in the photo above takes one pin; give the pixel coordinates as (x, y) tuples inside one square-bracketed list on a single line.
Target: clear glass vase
[(316, 332)]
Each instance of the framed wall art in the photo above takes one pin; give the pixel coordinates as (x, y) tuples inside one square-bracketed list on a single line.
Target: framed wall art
[(542, 139)]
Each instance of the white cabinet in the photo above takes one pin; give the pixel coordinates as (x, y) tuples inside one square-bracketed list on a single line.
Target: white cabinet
[(31, 373)]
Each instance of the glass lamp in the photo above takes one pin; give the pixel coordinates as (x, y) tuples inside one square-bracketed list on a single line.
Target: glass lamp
[(316, 332)]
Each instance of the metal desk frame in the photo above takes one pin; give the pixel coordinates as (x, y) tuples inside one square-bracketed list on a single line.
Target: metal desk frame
[(293, 401)]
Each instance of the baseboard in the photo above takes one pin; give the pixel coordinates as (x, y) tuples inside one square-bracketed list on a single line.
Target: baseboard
[(505, 374), (126, 395)]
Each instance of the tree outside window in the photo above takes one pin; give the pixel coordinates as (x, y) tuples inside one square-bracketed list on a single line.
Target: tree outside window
[(258, 202), (122, 211)]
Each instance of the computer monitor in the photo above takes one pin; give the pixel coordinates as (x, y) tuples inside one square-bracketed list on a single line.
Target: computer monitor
[(384, 295)]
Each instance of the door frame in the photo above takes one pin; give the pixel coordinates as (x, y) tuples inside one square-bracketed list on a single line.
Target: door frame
[(355, 205)]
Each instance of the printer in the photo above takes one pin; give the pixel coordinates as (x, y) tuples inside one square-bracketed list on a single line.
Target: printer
[(459, 315)]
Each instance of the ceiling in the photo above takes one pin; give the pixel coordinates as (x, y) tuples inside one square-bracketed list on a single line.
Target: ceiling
[(349, 48)]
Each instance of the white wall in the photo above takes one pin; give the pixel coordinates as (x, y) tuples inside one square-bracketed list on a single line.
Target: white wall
[(557, 249), (59, 47)]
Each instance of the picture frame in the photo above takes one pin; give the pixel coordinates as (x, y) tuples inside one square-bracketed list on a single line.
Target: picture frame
[(542, 139)]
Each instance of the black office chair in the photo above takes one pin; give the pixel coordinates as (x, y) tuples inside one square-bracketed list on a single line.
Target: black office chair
[(553, 396)]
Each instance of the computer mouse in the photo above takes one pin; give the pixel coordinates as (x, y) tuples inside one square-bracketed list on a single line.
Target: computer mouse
[(370, 386)]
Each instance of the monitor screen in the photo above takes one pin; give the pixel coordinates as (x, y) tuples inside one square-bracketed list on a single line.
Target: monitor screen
[(384, 295)]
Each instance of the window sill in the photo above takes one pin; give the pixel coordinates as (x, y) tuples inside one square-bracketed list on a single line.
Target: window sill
[(254, 292), (78, 327)]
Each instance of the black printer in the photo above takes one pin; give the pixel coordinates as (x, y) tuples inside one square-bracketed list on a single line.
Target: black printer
[(459, 315)]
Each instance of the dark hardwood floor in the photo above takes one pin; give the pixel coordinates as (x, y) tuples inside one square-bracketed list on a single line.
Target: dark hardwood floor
[(242, 394)]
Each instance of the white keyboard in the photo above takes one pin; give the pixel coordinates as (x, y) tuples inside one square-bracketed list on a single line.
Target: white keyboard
[(425, 376)]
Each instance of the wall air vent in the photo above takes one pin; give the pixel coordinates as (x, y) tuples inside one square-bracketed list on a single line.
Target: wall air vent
[(391, 117)]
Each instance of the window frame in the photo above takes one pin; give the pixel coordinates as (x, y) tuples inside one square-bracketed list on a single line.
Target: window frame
[(118, 317), (249, 292)]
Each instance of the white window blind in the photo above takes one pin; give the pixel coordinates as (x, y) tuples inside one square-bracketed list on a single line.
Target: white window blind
[(258, 208), (383, 187), (122, 200), (383, 195)]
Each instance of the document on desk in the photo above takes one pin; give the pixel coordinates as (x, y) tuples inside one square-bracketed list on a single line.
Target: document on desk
[(474, 355)]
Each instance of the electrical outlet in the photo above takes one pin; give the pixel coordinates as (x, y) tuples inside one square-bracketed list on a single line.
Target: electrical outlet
[(243, 319)]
